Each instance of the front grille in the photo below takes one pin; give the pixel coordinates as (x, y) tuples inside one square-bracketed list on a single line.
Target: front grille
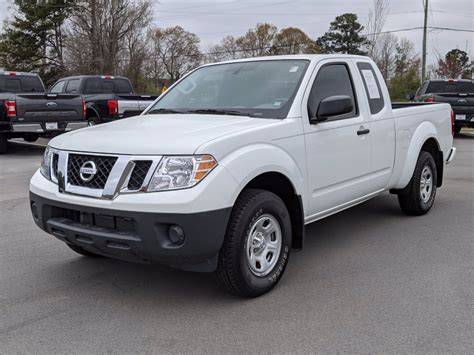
[(103, 164), (138, 174)]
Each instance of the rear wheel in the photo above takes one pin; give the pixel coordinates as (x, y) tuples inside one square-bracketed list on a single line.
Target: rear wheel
[(256, 246), (82, 251), (3, 143), (418, 197), (93, 120)]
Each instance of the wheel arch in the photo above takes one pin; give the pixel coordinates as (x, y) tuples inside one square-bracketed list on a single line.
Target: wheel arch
[(429, 144), (281, 185)]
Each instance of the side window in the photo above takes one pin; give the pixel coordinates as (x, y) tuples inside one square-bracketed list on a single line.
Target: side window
[(58, 87), (332, 80), (372, 87), (72, 85)]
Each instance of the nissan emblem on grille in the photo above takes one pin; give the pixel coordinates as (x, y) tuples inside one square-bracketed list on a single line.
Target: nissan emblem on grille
[(88, 171)]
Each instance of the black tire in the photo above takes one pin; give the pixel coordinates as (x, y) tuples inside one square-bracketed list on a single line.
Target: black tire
[(410, 198), (457, 129), (233, 270), (3, 143), (30, 138), (93, 120), (82, 251)]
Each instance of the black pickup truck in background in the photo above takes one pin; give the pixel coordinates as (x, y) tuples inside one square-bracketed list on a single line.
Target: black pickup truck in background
[(458, 93), (28, 112), (107, 98)]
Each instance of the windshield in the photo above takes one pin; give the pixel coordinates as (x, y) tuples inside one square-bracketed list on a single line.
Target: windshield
[(260, 89)]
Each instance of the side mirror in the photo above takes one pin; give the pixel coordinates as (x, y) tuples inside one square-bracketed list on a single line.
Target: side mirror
[(333, 106)]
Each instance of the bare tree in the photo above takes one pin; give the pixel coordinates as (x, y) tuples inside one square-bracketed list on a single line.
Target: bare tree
[(386, 53), (227, 49), (174, 52), (375, 23), (257, 41), (98, 31)]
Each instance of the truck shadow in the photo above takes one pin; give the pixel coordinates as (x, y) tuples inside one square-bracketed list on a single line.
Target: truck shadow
[(464, 135), (20, 148)]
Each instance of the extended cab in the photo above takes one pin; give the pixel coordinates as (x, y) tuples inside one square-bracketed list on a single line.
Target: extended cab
[(458, 93), (28, 112), (107, 98), (224, 170)]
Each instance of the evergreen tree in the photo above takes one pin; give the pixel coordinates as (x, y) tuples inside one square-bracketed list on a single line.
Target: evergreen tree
[(33, 40), (344, 36)]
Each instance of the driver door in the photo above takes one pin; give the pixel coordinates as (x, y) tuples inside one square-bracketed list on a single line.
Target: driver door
[(337, 148)]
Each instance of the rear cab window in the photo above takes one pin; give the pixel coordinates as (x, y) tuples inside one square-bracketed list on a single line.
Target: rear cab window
[(107, 86), (20, 83), (372, 87), (440, 87)]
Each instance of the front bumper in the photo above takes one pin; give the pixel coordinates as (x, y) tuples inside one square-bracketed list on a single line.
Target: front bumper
[(136, 236)]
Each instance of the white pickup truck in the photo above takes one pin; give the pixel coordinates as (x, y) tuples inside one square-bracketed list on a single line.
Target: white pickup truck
[(223, 171)]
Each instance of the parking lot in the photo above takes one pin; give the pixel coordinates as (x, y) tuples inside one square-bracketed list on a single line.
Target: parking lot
[(369, 279)]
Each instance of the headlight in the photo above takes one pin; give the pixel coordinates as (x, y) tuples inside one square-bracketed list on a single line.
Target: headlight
[(46, 163), (181, 172)]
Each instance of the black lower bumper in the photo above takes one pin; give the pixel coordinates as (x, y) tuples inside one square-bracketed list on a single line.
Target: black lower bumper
[(186, 241)]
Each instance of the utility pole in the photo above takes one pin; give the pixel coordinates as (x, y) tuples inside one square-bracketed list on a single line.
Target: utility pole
[(423, 55)]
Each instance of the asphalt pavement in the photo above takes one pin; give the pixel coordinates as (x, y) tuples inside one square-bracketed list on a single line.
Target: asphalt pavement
[(369, 280)]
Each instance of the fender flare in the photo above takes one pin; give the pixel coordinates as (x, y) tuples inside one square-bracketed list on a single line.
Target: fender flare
[(248, 162), (424, 132), (91, 106)]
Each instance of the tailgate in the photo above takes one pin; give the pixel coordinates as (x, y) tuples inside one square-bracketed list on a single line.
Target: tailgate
[(49, 107), (456, 99), (132, 105)]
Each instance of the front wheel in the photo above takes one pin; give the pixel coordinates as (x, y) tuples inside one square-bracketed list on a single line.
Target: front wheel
[(418, 197), (256, 246)]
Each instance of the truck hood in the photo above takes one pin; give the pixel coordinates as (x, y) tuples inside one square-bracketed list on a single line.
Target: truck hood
[(155, 134)]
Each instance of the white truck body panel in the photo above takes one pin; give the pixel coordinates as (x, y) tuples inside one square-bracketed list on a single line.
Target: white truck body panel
[(329, 165)]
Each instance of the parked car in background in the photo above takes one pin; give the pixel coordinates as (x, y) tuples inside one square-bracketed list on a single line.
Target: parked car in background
[(458, 93), (28, 112), (223, 172), (107, 98)]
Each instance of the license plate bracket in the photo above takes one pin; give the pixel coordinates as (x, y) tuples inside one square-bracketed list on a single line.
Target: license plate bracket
[(51, 126)]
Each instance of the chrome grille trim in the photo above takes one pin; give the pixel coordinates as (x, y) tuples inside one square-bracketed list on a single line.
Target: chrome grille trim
[(117, 181)]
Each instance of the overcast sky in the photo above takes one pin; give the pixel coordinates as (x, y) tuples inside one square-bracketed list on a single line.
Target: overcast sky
[(212, 20)]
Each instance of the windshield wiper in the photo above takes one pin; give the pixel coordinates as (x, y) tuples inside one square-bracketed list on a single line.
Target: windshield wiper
[(212, 111), (163, 110)]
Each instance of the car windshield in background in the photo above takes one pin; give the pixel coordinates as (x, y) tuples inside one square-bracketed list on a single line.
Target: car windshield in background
[(440, 87), (259, 89)]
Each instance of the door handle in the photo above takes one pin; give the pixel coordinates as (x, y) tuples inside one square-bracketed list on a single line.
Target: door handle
[(362, 131)]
